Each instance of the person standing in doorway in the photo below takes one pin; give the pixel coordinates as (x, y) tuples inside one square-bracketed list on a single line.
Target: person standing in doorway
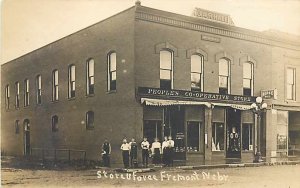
[(165, 151), (133, 153), (156, 151), (106, 149), (125, 153), (145, 151), (171, 151)]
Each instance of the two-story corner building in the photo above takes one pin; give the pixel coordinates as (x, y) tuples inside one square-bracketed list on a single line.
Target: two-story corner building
[(147, 72)]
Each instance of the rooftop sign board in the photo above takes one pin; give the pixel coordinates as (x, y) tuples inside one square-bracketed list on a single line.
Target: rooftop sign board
[(213, 16)]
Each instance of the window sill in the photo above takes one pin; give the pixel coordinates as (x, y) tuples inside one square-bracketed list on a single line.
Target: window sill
[(112, 91), (71, 99), (53, 102), (89, 128), (26, 107)]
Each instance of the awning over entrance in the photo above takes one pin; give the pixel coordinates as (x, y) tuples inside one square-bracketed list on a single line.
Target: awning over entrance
[(165, 102)]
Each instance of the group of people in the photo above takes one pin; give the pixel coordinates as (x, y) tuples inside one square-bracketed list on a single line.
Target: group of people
[(160, 152)]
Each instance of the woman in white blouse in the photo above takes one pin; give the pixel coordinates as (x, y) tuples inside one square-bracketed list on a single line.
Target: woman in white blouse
[(125, 147), (156, 151)]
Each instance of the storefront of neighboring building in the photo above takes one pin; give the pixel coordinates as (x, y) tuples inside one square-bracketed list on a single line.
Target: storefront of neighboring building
[(155, 74)]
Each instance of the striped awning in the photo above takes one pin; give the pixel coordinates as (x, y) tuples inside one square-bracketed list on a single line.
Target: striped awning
[(166, 102)]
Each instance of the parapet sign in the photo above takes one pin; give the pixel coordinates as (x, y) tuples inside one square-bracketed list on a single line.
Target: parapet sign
[(213, 16)]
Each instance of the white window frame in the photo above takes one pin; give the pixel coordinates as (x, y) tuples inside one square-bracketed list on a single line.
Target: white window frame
[(72, 81), (201, 73), (172, 66), (26, 92), (293, 85), (90, 76), (55, 85), (227, 76)]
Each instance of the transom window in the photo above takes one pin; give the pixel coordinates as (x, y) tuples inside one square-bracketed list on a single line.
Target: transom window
[(55, 85), (38, 89), (197, 72), (248, 78), (224, 76), (71, 93), (290, 83), (90, 77), (166, 69), (112, 71), (26, 92)]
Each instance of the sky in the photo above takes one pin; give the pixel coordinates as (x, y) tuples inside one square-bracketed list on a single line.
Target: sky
[(30, 24)]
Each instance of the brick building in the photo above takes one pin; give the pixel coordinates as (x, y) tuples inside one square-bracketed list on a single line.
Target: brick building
[(147, 72)]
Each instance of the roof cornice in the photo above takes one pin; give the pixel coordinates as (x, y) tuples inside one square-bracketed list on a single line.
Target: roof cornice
[(232, 31)]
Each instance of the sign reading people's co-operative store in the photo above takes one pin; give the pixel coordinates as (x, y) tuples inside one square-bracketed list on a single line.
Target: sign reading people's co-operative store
[(192, 95)]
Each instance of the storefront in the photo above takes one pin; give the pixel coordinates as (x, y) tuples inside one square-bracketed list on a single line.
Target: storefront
[(204, 126)]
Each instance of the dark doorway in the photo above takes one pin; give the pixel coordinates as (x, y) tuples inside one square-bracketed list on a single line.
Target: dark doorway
[(233, 133), (26, 137), (152, 129), (174, 126)]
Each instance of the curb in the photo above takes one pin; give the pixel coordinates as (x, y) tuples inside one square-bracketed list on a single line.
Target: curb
[(239, 165)]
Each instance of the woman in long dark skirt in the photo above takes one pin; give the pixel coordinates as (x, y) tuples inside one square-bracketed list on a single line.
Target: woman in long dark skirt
[(156, 150)]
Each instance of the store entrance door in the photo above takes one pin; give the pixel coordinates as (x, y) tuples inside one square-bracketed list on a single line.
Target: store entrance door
[(233, 138), (174, 126)]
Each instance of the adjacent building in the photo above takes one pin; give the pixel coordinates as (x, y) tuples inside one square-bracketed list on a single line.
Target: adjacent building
[(147, 72)]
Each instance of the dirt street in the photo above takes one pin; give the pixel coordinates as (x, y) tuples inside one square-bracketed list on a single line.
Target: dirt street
[(266, 176)]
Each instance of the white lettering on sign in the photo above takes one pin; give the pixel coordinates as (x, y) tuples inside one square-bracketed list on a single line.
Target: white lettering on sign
[(214, 16)]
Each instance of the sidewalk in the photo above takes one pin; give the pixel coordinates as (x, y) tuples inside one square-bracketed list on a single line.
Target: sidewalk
[(211, 166), (21, 163), (239, 165)]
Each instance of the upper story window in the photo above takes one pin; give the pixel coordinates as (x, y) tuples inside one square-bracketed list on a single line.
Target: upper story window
[(38, 89), (90, 77), (197, 72), (90, 120), (224, 76), (166, 69), (71, 89), (26, 92), (54, 123), (17, 88), (290, 83), (112, 71), (55, 85), (248, 78), (7, 96)]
